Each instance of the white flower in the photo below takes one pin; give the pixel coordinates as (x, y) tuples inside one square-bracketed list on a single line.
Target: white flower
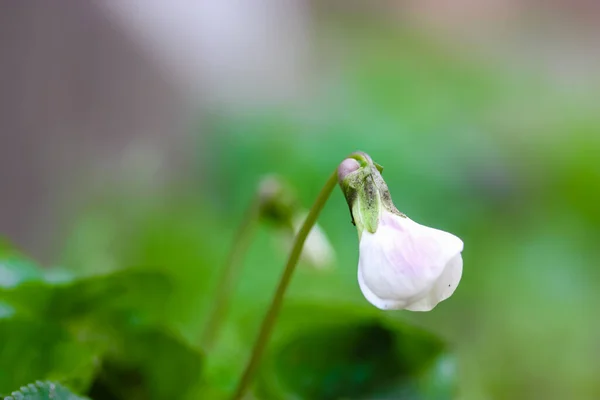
[(405, 265), (402, 264)]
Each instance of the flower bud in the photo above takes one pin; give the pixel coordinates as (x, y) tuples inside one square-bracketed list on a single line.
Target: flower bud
[(280, 206), (402, 264)]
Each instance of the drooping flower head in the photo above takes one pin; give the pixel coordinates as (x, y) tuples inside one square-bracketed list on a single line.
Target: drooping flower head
[(402, 264)]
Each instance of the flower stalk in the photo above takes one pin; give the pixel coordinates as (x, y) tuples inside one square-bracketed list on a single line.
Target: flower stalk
[(230, 273), (275, 202), (277, 301)]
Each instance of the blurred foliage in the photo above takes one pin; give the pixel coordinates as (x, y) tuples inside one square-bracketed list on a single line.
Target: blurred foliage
[(507, 161)]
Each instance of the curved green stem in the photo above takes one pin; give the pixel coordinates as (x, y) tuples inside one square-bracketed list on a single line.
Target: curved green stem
[(271, 316), (230, 273)]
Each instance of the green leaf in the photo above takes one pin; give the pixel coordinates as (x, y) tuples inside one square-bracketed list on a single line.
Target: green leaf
[(33, 350), (43, 391), (361, 356), (112, 317), (98, 311), (116, 317)]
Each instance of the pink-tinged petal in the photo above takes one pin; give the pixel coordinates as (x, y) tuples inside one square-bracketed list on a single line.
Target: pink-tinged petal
[(403, 264)]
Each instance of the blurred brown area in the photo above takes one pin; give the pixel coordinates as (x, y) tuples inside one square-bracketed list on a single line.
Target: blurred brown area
[(77, 98)]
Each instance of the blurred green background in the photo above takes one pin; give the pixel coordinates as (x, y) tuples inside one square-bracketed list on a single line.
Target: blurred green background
[(503, 155)]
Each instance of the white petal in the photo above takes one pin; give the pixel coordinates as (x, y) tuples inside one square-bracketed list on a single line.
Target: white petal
[(443, 287), (402, 262), (383, 304)]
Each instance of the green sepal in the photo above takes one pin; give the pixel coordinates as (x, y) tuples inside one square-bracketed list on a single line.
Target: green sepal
[(362, 194), (368, 204), (367, 194)]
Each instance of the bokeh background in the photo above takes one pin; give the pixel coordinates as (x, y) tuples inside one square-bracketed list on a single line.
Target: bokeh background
[(134, 133)]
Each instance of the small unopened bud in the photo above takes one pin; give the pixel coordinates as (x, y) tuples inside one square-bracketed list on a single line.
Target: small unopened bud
[(280, 206), (277, 201)]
